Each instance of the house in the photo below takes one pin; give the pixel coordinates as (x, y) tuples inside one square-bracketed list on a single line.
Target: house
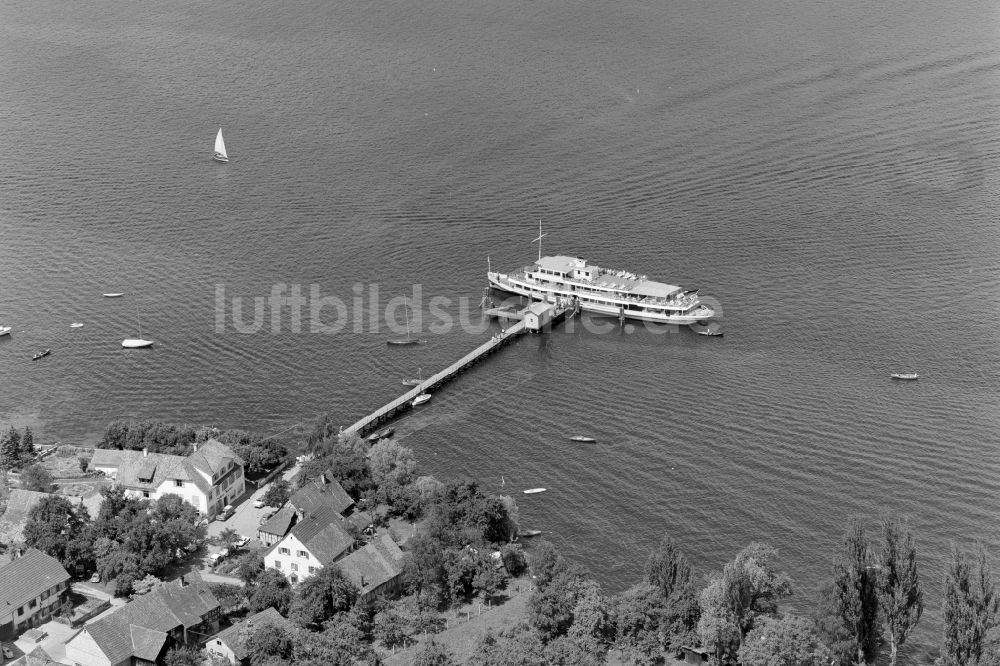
[(209, 479), (140, 632), (538, 315), (377, 569), (21, 502), (317, 539), (32, 587), (324, 491), (231, 642), (37, 657), (274, 529), (694, 655)]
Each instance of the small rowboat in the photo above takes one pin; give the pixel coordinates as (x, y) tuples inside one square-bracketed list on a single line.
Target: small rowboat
[(904, 375), (76, 324), (112, 295), (533, 491), (529, 533), (41, 354), (384, 434), (4, 330), (581, 438)]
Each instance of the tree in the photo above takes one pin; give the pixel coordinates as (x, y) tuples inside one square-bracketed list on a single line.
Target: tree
[(546, 563), (389, 627), (321, 596), (752, 587), (516, 646), (433, 654), (593, 624), (84, 463), (391, 464), (10, 449), (550, 608), (61, 529), (37, 478), (855, 579), (514, 559), (718, 627), (637, 617), (789, 641), (668, 570), (267, 640), (183, 655), (423, 570), (250, 566), (27, 447), (971, 608), (830, 627), (270, 589), (900, 598), (230, 596), (228, 538), (277, 493)]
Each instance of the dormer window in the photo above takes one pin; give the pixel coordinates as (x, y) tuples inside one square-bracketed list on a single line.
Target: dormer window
[(179, 483)]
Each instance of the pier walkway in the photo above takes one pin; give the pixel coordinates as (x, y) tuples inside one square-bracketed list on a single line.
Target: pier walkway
[(402, 403)]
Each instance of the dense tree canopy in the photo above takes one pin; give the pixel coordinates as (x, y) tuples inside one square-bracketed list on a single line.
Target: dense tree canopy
[(321, 596), (62, 529), (37, 478), (789, 641)]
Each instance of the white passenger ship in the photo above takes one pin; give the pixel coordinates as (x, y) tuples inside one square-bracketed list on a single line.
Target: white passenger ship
[(605, 291)]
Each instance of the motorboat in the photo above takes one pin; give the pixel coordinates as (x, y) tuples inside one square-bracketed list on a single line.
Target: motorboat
[(5, 330), (76, 324), (534, 491), (41, 354), (905, 375), (581, 438), (529, 533), (421, 399), (114, 295), (384, 434), (711, 329)]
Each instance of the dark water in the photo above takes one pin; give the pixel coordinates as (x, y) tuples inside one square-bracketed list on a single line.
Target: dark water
[(827, 171)]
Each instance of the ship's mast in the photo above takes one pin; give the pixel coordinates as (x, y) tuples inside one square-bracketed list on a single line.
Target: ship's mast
[(539, 239)]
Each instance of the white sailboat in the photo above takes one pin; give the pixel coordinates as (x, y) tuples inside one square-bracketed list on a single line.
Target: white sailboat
[(137, 343), (407, 340), (220, 148)]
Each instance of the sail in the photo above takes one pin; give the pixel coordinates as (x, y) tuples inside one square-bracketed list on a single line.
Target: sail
[(220, 145)]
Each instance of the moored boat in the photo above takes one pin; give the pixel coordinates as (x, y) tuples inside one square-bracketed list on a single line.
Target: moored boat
[(529, 533), (709, 328), (5, 330), (421, 399), (408, 340), (904, 375), (603, 291), (137, 343), (581, 438), (534, 491), (76, 324), (41, 354), (383, 434), (113, 295)]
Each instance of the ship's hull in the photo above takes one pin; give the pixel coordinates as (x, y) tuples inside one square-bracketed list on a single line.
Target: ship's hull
[(611, 309)]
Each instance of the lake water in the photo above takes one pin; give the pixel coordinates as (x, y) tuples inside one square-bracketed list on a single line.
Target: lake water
[(828, 172)]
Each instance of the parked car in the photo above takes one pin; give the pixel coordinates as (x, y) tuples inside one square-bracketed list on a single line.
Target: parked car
[(226, 513), (244, 540), (215, 558), (258, 504), (96, 578)]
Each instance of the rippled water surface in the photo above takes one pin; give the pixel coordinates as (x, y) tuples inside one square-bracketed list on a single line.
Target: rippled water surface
[(827, 171)]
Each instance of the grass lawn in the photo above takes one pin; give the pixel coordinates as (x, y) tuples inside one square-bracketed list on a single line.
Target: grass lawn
[(63, 464), (466, 626)]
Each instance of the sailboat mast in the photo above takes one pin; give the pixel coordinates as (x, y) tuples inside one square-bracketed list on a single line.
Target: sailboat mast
[(406, 313), (138, 323), (539, 239)]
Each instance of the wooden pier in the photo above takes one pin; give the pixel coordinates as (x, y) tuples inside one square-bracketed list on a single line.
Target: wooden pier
[(403, 402)]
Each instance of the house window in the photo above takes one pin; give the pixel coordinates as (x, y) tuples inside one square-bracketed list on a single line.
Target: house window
[(277, 564), (218, 642), (293, 578), (284, 551), (32, 603), (179, 483), (312, 569), (20, 611), (302, 553), (295, 567), (145, 493)]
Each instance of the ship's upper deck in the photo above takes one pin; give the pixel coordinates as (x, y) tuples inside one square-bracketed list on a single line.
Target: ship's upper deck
[(574, 269)]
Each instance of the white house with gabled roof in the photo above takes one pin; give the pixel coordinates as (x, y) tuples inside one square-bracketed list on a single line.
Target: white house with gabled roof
[(208, 479)]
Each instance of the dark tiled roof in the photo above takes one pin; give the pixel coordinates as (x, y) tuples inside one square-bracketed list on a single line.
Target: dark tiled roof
[(37, 657), (317, 493), (146, 643), (374, 565), (280, 522), (232, 637), (27, 577), (323, 534), (167, 607)]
